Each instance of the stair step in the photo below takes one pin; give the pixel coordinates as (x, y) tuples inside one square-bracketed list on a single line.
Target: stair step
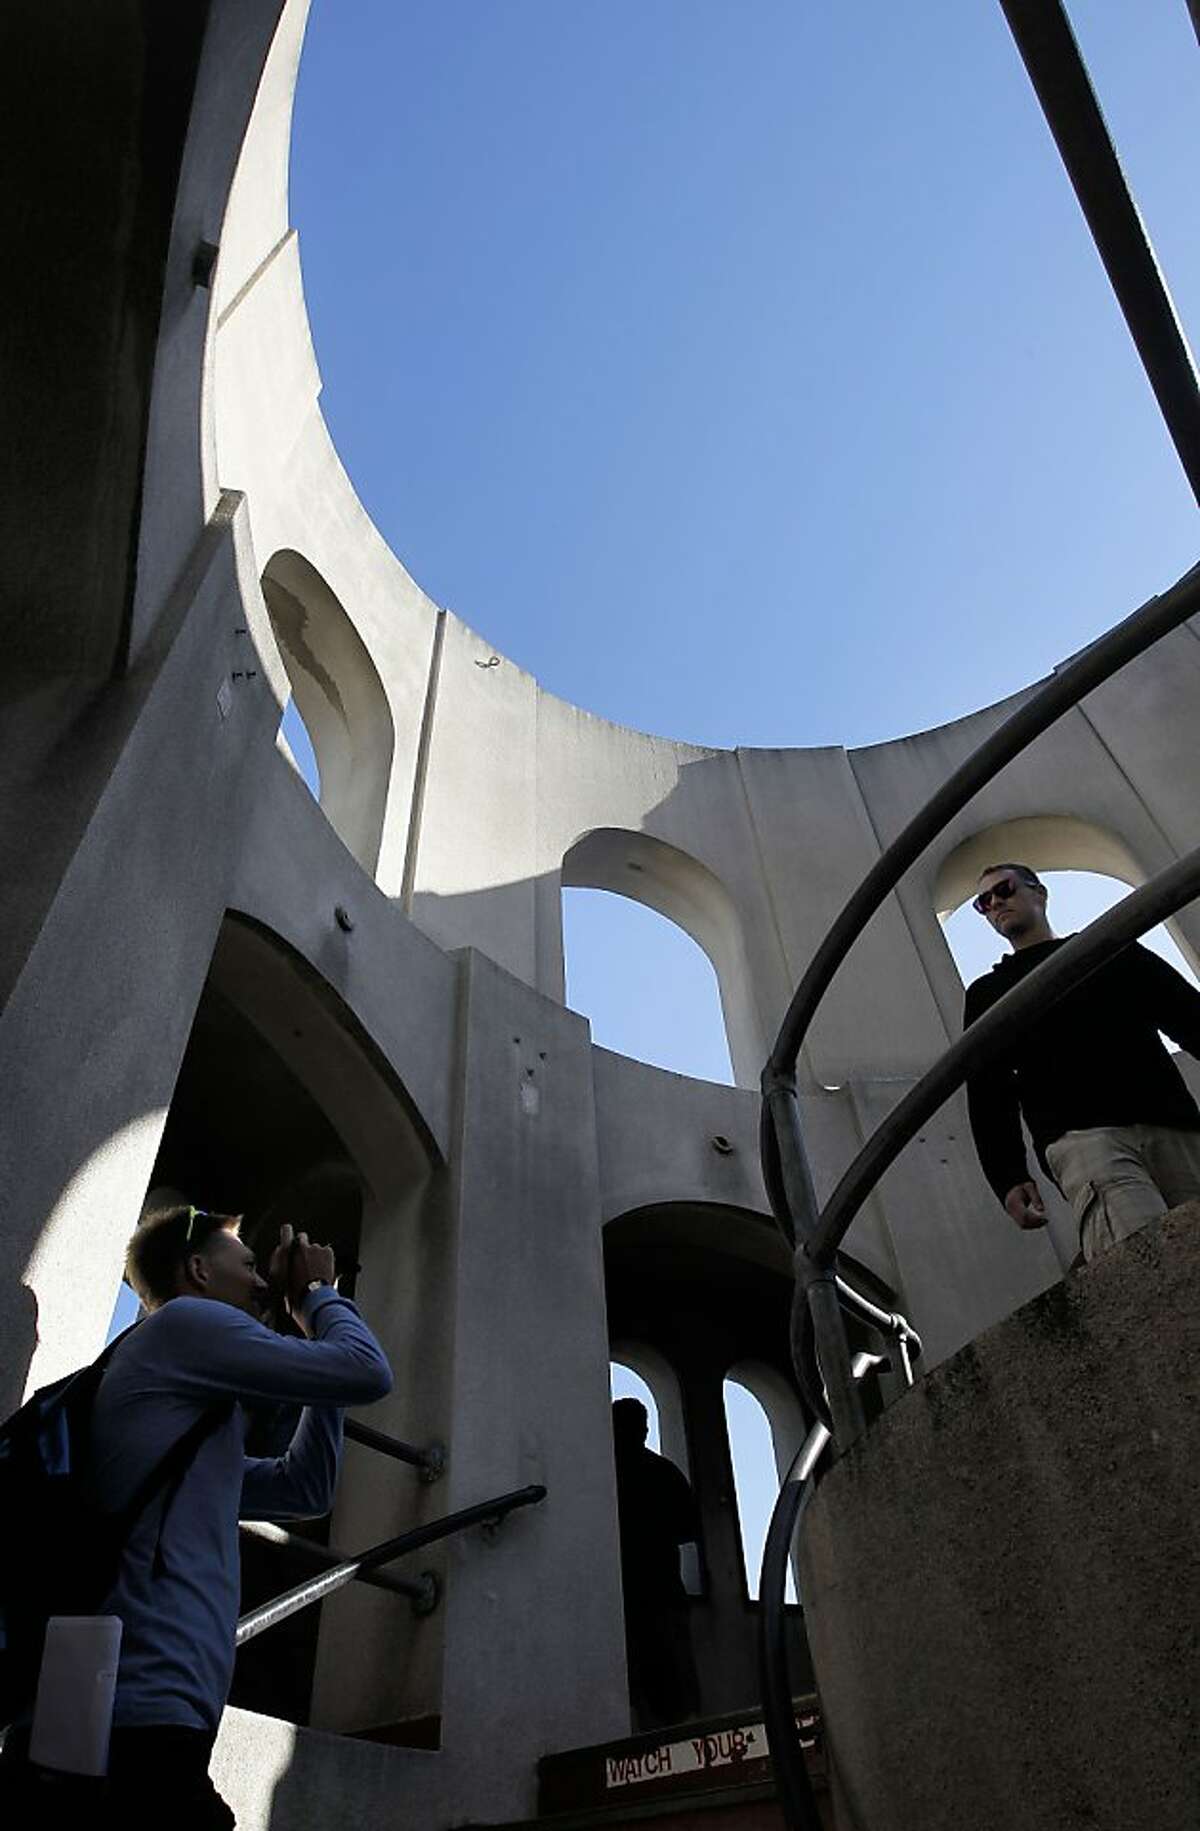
[(740, 1808), (691, 1766)]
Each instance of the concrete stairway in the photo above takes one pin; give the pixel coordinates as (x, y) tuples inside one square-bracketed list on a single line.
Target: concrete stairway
[(714, 1775)]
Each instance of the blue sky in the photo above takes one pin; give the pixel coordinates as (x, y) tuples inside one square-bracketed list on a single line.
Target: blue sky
[(746, 372), (753, 1461)]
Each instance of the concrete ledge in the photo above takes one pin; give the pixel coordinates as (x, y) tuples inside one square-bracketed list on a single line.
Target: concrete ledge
[(277, 1777), (1003, 1580)]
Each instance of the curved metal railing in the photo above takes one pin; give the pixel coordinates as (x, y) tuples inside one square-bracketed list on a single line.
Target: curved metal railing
[(988, 1037), (990, 1034), (815, 1234), (422, 1590), (820, 1350), (368, 1566), (429, 1462), (350, 1570), (1047, 703), (787, 1756), (785, 1165)]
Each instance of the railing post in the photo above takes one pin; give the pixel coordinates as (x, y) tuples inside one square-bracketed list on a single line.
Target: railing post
[(1061, 83), (800, 1810), (792, 1779), (833, 1352), (818, 1282)]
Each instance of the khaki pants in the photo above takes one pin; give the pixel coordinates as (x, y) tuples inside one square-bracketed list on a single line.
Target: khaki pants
[(1118, 1178)]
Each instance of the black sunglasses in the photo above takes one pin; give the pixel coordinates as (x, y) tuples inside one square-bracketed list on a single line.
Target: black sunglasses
[(1001, 892)]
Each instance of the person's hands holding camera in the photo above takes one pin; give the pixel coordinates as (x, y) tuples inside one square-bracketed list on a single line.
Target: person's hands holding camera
[(296, 1265)]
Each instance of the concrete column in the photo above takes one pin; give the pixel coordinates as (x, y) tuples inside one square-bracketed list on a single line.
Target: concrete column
[(721, 1628), (526, 1320), (474, 858), (818, 842), (101, 1002)]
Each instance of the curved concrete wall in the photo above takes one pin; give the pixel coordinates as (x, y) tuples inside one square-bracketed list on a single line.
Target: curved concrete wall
[(424, 916), (339, 696), (1001, 1581), (512, 788)]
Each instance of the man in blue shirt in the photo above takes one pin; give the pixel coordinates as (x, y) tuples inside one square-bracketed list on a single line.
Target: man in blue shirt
[(203, 1347)]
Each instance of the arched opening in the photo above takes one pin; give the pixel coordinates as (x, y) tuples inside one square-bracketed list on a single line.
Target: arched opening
[(295, 741), (1084, 869), (766, 1427), (339, 697), (284, 1110), (638, 1371), (624, 1383), (677, 887), (649, 991), (700, 1290), (1075, 899)]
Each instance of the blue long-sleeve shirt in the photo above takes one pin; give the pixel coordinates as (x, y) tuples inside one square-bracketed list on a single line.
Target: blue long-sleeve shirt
[(179, 1607)]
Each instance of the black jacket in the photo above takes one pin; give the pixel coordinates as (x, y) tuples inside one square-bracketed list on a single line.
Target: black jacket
[(656, 1513), (1095, 1059)]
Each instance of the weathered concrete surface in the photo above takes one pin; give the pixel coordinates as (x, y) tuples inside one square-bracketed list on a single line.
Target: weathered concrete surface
[(394, 956), (1002, 1582)]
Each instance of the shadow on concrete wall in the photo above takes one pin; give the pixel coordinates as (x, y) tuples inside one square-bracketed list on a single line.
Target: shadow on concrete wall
[(518, 922), (340, 697), (478, 918), (23, 1339), (282, 1010)]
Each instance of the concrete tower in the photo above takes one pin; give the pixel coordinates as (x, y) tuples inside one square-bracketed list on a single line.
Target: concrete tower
[(354, 1010)]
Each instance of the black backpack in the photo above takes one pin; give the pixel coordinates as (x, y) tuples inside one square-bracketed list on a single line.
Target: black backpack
[(62, 1551)]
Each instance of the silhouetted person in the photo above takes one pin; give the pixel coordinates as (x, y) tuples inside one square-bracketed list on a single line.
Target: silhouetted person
[(657, 1514)]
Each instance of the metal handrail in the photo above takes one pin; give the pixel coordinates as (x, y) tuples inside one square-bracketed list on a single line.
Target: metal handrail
[(269, 1614), (1056, 69), (790, 1769), (431, 1461), (1045, 41), (986, 1039), (422, 1590), (786, 1171), (1059, 76), (889, 1323), (994, 1031), (1060, 693)]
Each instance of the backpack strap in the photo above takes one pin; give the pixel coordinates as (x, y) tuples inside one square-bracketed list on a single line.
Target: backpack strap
[(174, 1465), (171, 1470)]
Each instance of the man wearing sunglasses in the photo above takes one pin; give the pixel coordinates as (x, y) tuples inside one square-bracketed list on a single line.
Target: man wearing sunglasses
[(1112, 1122)]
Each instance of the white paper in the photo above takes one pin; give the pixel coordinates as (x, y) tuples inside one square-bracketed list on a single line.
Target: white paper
[(72, 1718)]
